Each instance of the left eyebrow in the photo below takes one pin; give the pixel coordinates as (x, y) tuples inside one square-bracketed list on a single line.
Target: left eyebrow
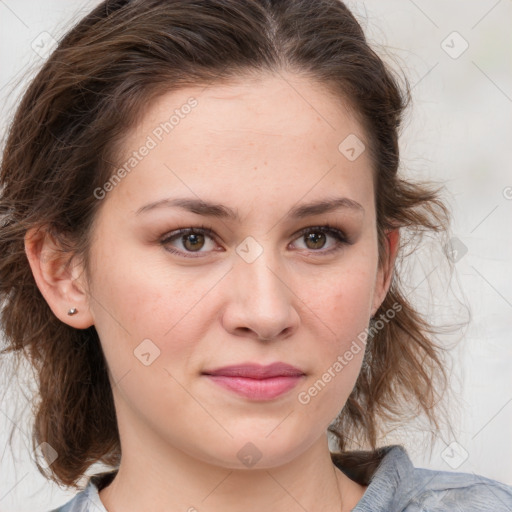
[(324, 206), (201, 207)]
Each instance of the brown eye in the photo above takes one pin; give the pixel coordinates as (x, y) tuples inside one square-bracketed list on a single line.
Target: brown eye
[(193, 241), (189, 240), (316, 238)]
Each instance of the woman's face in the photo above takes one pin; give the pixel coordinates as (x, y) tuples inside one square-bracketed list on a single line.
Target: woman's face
[(264, 283)]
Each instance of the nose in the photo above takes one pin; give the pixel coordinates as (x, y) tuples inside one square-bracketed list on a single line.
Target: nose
[(261, 304)]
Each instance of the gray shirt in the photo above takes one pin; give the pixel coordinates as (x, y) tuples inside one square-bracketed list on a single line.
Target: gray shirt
[(394, 485)]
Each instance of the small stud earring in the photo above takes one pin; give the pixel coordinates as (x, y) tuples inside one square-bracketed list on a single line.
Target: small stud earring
[(72, 311)]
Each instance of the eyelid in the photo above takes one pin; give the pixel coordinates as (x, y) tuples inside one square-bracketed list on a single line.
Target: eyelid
[(203, 230), (325, 228), (338, 234)]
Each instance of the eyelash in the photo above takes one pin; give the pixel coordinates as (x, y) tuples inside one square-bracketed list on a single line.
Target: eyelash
[(339, 236)]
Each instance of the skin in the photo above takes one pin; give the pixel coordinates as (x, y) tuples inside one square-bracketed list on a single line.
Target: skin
[(260, 147)]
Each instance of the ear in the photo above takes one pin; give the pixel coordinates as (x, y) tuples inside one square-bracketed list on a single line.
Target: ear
[(385, 271), (60, 282)]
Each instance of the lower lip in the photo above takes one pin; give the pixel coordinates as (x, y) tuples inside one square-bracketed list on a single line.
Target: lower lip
[(258, 389)]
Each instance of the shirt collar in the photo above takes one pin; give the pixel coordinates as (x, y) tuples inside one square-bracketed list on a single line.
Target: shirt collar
[(392, 484)]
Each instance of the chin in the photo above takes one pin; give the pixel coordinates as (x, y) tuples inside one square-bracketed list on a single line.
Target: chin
[(256, 452)]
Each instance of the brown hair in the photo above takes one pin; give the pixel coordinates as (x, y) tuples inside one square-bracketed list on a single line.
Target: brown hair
[(64, 141)]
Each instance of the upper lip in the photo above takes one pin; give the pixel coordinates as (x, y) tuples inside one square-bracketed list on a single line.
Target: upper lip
[(256, 371)]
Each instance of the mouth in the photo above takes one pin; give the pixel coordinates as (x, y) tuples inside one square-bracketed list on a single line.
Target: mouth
[(255, 381)]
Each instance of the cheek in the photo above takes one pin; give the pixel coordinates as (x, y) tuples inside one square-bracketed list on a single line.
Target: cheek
[(342, 297), (345, 315), (340, 309), (148, 321), (349, 296), (135, 302)]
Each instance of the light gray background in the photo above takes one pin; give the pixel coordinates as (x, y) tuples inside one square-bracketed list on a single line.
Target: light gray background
[(458, 131)]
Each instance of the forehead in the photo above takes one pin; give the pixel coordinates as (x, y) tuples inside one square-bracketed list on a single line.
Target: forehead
[(272, 104), (269, 133)]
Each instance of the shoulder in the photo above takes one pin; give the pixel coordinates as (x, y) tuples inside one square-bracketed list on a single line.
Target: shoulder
[(399, 486), (468, 492), (79, 503), (85, 501), (88, 500)]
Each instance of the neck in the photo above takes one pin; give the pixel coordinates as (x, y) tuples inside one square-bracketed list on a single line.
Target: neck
[(170, 479)]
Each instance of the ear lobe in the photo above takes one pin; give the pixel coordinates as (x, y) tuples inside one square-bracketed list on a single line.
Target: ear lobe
[(60, 282), (385, 272)]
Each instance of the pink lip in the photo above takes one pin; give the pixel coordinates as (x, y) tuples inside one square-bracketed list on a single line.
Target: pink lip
[(255, 381)]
